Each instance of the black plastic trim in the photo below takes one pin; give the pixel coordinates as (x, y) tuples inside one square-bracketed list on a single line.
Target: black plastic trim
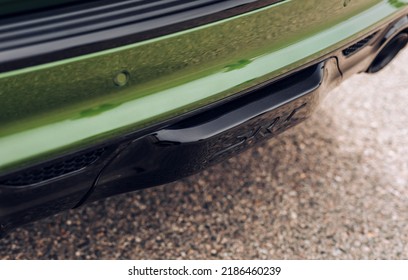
[(353, 49), (52, 170)]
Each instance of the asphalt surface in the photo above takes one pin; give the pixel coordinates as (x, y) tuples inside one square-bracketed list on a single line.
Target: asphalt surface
[(334, 187)]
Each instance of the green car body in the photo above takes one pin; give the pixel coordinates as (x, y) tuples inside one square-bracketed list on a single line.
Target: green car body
[(70, 104), (64, 106)]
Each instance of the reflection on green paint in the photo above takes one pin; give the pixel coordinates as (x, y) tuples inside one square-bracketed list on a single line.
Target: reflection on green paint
[(397, 3), (240, 64), (97, 110)]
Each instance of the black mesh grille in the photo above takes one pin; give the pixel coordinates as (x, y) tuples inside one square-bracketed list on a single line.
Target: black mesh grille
[(358, 46), (54, 170)]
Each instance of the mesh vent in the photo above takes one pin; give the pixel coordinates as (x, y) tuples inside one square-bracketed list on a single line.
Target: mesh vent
[(358, 46), (54, 170)]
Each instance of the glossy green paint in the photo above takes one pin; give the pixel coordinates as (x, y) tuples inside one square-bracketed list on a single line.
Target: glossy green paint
[(74, 103)]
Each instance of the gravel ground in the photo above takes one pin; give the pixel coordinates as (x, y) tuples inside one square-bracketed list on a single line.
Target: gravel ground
[(334, 187)]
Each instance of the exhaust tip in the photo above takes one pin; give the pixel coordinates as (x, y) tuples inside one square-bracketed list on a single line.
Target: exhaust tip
[(389, 52)]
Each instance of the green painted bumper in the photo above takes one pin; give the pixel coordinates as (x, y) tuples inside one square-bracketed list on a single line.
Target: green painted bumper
[(68, 105)]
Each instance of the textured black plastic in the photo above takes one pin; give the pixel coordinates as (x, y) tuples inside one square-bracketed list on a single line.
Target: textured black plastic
[(53, 170), (358, 46), (59, 185)]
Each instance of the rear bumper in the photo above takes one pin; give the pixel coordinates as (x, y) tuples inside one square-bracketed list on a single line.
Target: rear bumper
[(168, 151), (219, 132), (86, 128)]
